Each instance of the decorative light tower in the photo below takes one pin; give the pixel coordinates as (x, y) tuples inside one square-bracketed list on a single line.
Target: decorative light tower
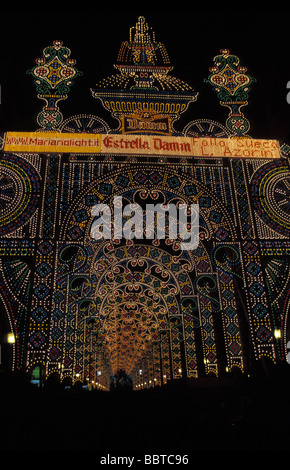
[(231, 82), (143, 96), (53, 74)]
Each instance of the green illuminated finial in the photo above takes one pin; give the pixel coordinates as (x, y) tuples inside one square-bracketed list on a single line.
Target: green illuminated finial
[(53, 76), (231, 82)]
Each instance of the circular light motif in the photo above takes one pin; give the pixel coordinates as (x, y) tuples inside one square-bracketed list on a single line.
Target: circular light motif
[(270, 189), (19, 192)]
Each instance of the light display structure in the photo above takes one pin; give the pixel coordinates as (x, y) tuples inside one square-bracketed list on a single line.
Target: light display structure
[(84, 309)]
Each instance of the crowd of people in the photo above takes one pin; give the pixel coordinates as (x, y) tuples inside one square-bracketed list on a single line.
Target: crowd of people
[(244, 413)]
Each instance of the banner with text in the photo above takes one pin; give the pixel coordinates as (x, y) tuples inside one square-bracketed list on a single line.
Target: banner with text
[(56, 142)]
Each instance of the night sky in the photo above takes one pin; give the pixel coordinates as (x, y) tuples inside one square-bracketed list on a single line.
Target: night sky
[(192, 39), (262, 42)]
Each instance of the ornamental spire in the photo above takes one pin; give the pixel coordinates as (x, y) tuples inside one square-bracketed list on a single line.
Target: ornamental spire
[(231, 83), (142, 32), (143, 95), (53, 76)]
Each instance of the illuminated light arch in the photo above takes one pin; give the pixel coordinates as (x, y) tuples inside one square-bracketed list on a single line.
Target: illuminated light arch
[(85, 266), (148, 291), (164, 181), (108, 267), (244, 228)]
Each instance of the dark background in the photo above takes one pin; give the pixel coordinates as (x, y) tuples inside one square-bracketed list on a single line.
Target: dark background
[(250, 417), (192, 38)]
